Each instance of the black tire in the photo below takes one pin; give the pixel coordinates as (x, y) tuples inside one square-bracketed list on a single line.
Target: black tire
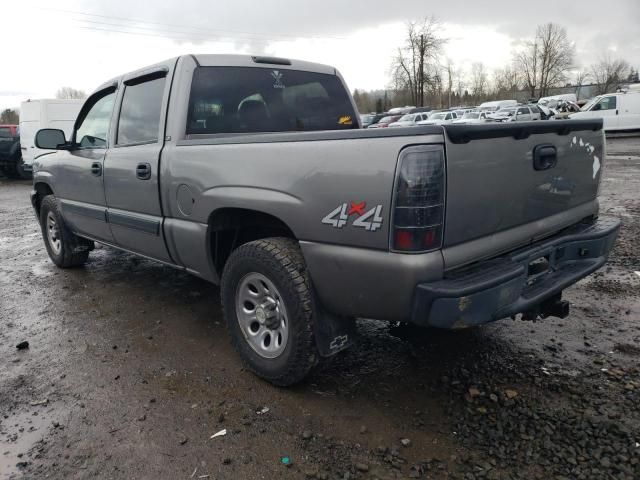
[(73, 250), (280, 261), (11, 172)]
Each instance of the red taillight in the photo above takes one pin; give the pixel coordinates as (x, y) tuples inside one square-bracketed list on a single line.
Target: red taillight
[(403, 239), (418, 210)]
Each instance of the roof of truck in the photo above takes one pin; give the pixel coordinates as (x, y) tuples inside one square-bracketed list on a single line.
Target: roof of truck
[(223, 60), (214, 60)]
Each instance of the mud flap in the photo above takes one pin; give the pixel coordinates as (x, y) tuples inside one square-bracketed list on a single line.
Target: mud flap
[(333, 333)]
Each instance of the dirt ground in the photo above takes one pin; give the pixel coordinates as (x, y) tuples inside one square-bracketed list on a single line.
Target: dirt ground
[(129, 372)]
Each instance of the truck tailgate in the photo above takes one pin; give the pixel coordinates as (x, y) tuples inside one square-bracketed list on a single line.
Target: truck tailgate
[(513, 177)]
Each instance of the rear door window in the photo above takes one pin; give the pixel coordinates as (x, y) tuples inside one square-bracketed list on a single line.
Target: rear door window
[(253, 99), (140, 113)]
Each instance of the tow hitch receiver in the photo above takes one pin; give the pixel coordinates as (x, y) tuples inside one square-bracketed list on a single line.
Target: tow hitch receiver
[(553, 307)]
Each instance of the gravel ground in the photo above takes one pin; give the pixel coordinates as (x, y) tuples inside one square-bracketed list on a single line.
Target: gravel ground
[(129, 372)]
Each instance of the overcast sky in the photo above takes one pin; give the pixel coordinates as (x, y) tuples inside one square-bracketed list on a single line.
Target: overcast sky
[(81, 43)]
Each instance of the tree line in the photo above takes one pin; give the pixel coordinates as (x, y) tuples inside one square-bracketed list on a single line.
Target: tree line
[(421, 75)]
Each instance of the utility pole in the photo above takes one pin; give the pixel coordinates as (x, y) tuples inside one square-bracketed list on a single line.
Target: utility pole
[(421, 73)]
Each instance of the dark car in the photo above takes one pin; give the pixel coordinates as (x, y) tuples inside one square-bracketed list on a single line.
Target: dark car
[(372, 118), (385, 121), (10, 154), (420, 109)]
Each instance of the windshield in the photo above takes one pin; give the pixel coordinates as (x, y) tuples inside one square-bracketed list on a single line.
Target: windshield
[(407, 118), (471, 115), (438, 116), (252, 99)]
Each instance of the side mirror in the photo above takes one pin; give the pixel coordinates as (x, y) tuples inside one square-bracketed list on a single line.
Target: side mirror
[(51, 139)]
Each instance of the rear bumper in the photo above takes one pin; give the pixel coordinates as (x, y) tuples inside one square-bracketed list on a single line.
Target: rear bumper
[(505, 286)]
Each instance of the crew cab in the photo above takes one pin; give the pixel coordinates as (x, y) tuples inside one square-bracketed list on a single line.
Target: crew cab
[(253, 173)]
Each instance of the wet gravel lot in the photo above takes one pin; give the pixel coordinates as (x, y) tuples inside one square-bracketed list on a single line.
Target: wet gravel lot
[(129, 372)]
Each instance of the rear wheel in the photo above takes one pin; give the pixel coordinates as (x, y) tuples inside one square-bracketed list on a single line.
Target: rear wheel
[(64, 247), (267, 303)]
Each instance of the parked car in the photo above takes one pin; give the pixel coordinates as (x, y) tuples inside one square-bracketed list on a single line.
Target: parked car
[(619, 111), (461, 111), (440, 118), (252, 173), (11, 163), (553, 100), (373, 118), (44, 113), (420, 110), (385, 121), (521, 113), (400, 110), (409, 120), (496, 105), (472, 117), (564, 109)]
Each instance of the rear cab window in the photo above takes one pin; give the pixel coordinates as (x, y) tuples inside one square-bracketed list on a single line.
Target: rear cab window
[(5, 132), (253, 99)]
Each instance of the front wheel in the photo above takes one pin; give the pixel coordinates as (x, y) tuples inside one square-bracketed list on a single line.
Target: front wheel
[(267, 302), (64, 247)]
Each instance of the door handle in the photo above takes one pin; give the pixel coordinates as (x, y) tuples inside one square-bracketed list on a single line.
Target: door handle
[(96, 169), (544, 157), (143, 171)]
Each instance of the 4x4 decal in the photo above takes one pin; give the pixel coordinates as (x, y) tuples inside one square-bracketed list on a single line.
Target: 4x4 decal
[(370, 220)]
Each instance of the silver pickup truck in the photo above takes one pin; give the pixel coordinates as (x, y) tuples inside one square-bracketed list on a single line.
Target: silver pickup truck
[(253, 173)]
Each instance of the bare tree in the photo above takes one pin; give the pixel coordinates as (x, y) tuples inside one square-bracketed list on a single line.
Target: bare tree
[(556, 56), (527, 61), (69, 92), (506, 81), (580, 77), (414, 68), (546, 60), (450, 72), (479, 79), (608, 73)]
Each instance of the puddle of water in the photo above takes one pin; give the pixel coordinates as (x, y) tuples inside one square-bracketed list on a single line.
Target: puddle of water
[(14, 442), (43, 269)]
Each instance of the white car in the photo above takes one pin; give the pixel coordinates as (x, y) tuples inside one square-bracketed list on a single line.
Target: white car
[(410, 120), (440, 118), (521, 113), (472, 117)]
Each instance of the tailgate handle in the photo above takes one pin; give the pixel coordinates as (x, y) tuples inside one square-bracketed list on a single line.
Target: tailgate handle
[(544, 157)]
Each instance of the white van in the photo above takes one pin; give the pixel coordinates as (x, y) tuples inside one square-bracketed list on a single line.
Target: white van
[(619, 111), (44, 113), (496, 105)]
